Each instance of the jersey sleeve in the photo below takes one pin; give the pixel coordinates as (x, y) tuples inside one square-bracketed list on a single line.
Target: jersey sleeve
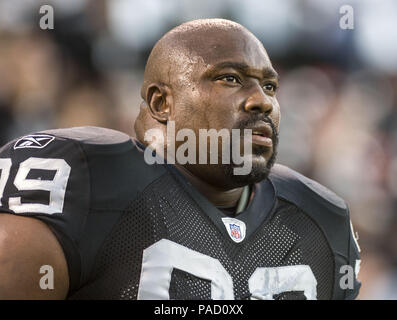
[(46, 177)]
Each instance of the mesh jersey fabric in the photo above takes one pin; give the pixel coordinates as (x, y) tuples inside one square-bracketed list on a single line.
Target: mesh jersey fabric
[(165, 210)]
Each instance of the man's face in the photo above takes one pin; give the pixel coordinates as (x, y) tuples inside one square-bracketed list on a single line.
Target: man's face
[(230, 83)]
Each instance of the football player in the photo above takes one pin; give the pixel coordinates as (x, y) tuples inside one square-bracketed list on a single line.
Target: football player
[(85, 204)]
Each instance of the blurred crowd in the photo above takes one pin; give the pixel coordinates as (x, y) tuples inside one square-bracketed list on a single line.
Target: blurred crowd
[(338, 90)]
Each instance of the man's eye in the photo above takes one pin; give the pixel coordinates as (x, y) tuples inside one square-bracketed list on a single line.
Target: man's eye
[(270, 87), (230, 78)]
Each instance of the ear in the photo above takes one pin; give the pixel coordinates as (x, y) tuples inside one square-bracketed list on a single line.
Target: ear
[(159, 101)]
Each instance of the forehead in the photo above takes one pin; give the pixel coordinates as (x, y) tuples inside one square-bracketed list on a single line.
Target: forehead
[(217, 46)]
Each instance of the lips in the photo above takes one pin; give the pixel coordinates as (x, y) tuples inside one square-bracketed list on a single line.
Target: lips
[(262, 135)]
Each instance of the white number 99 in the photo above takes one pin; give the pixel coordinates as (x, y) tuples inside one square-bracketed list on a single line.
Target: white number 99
[(56, 186)]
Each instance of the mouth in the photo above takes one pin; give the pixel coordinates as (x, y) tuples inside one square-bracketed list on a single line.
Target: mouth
[(262, 135)]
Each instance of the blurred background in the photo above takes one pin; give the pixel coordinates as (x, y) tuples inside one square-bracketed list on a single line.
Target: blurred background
[(338, 92)]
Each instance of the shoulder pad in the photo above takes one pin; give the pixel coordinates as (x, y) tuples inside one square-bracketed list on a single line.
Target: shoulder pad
[(304, 192), (90, 135)]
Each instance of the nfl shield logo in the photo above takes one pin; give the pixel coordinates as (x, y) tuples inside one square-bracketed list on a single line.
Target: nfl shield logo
[(235, 231), (235, 228)]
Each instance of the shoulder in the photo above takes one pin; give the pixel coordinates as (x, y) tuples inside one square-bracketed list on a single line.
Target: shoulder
[(78, 146), (60, 141), (105, 163), (90, 135), (305, 192), (329, 211)]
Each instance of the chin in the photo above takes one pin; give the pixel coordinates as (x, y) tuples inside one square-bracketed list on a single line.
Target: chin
[(223, 176), (260, 170), (257, 174)]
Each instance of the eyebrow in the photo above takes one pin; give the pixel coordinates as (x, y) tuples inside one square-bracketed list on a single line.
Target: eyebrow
[(244, 68)]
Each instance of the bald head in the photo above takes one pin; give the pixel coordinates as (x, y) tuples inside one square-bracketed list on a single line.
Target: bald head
[(174, 56), (179, 60)]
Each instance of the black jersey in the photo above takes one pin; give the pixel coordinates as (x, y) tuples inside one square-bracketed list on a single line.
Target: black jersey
[(130, 230)]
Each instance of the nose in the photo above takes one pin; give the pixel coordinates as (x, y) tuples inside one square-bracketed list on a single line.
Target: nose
[(258, 101)]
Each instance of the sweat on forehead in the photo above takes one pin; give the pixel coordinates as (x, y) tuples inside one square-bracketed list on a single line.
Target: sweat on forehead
[(179, 50)]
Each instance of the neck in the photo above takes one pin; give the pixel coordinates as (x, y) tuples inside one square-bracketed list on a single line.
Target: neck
[(218, 197)]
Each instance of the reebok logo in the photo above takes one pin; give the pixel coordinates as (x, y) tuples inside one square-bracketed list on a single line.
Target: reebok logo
[(36, 141)]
